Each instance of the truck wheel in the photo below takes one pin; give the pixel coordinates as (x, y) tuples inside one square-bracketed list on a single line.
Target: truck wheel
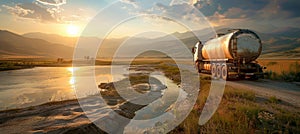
[(213, 70), (219, 71), (224, 72)]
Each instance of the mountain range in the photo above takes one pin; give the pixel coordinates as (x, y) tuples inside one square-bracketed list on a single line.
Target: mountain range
[(281, 43), (14, 45)]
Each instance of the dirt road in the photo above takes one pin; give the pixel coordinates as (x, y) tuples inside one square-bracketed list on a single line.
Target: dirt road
[(287, 92)]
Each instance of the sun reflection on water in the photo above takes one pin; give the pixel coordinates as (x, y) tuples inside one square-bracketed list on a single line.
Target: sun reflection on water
[(72, 78), (72, 69)]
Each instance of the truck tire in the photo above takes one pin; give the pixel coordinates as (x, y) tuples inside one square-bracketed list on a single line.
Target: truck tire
[(224, 72), (213, 70), (219, 71)]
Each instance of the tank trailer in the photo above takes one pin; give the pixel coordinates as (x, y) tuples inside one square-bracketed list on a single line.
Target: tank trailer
[(230, 56)]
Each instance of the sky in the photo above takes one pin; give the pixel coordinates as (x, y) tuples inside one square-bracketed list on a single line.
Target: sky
[(118, 18)]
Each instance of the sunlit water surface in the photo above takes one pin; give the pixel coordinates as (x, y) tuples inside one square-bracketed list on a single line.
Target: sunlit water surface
[(29, 87)]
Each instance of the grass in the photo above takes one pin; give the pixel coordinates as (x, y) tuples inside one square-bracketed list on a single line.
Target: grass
[(284, 70), (8, 65), (236, 114), (273, 99), (240, 111), (23, 64), (172, 72), (138, 79)]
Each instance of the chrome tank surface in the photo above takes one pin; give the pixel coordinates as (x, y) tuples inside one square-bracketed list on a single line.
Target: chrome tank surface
[(238, 44), (217, 48), (248, 46)]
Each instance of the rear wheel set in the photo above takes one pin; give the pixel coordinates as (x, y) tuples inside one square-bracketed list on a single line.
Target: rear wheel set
[(213, 70), (219, 71), (224, 72)]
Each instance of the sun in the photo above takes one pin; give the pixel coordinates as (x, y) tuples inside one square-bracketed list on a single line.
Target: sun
[(72, 30)]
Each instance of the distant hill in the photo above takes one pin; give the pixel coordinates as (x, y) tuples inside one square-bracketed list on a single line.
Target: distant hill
[(58, 39), (282, 43), (53, 38), (109, 46), (12, 44), (90, 43)]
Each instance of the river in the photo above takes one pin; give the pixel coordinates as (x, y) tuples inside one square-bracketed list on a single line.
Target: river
[(30, 87)]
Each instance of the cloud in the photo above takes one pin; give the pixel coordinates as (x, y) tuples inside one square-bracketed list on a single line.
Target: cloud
[(131, 2), (33, 11), (291, 6), (274, 11), (209, 7), (176, 11), (238, 13), (17, 10), (183, 13), (270, 11), (219, 20), (52, 2), (45, 11), (256, 14), (160, 7), (179, 2)]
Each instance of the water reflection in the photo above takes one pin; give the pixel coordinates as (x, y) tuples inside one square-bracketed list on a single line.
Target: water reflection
[(72, 79), (248, 47), (29, 87)]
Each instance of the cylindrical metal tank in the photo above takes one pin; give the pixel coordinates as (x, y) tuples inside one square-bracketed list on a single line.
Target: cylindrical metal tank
[(240, 44)]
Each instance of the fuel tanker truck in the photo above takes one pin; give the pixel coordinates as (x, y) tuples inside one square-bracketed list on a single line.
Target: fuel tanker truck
[(230, 56)]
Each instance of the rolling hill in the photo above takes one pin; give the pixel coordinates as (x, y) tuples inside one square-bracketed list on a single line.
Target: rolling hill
[(12, 44), (53, 38), (281, 43)]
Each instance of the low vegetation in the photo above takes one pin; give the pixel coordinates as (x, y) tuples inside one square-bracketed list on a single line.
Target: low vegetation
[(8, 65), (171, 71), (273, 99), (291, 74), (240, 111), (23, 64)]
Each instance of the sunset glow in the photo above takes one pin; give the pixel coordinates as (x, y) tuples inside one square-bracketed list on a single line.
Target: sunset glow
[(149, 66), (72, 30)]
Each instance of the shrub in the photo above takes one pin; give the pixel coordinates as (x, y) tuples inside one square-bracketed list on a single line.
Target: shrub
[(271, 75), (273, 99)]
